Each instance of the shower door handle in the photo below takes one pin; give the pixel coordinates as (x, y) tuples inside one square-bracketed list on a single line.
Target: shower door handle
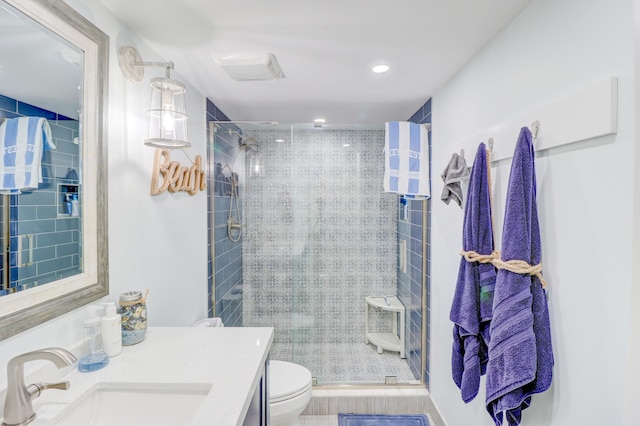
[(19, 263)]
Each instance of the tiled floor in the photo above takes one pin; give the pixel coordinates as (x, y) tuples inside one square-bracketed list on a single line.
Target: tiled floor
[(346, 363), (326, 403), (318, 421)]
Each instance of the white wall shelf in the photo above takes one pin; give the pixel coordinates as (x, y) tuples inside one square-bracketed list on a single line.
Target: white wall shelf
[(65, 189)]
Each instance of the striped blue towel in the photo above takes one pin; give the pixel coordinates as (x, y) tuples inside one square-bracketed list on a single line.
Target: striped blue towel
[(406, 152), (22, 143)]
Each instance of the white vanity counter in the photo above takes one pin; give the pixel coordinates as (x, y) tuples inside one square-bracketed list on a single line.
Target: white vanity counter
[(230, 360)]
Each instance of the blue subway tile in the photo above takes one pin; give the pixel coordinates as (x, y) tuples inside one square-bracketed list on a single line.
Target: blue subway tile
[(68, 122), (26, 272), (46, 253), (67, 249), (7, 115), (220, 116), (8, 104), (25, 212), (44, 212), (416, 217), (67, 224), (36, 226), (62, 134), (416, 245), (66, 146), (416, 232), (54, 238), (54, 264), (62, 159), (210, 108), (34, 111), (38, 198)]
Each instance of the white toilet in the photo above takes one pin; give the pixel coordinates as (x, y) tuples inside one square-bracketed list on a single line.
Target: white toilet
[(289, 392)]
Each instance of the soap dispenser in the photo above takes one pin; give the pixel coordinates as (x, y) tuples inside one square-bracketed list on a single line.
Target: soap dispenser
[(67, 204), (111, 325), (93, 355), (74, 205)]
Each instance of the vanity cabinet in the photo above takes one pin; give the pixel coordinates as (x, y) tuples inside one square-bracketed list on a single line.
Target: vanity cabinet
[(227, 366), (258, 414)]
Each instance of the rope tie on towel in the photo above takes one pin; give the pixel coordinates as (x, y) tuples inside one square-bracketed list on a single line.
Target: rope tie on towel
[(473, 256), (516, 266), (521, 267)]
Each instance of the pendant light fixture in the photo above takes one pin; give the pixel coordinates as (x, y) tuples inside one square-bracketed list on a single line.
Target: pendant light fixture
[(167, 112)]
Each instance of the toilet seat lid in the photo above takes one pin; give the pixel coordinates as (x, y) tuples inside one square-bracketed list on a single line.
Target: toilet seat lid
[(287, 380)]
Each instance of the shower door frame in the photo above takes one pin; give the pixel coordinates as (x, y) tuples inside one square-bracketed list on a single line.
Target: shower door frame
[(424, 344)]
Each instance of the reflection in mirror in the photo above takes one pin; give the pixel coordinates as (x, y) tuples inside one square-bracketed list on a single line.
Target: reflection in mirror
[(53, 77), (40, 225)]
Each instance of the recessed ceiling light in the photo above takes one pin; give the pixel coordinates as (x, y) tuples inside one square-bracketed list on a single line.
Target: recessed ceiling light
[(379, 69), (318, 122), (346, 144), (279, 140)]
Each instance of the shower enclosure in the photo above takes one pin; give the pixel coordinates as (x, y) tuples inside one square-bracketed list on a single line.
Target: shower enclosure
[(319, 235)]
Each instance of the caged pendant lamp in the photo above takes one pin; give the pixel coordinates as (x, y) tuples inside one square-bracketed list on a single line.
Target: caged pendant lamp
[(167, 112), (167, 115)]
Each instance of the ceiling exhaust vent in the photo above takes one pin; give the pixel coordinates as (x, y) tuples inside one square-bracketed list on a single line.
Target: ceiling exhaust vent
[(251, 67)]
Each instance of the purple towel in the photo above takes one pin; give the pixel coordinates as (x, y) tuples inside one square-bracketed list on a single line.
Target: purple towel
[(473, 299), (520, 353)]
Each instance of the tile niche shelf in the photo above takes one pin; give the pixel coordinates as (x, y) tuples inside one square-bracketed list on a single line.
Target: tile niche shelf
[(65, 189)]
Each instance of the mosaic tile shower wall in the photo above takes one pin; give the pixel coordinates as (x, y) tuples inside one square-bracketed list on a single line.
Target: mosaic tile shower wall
[(320, 235)]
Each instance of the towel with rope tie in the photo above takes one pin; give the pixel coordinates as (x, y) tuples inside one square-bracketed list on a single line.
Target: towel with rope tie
[(520, 353), (472, 302)]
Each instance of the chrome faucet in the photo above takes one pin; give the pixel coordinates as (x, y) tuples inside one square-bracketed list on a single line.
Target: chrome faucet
[(18, 409)]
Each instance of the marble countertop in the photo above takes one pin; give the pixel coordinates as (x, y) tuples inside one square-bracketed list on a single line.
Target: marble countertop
[(227, 359)]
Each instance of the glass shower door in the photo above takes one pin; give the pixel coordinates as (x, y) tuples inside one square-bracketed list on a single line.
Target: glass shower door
[(344, 237), (320, 237)]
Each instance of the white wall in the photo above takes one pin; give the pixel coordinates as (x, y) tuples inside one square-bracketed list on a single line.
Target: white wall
[(585, 201), (632, 392), (155, 242)]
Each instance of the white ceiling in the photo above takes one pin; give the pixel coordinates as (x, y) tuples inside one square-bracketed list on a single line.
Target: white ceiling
[(326, 50), (36, 67)]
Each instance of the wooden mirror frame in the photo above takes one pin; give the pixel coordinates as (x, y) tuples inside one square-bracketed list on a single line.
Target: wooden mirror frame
[(25, 309)]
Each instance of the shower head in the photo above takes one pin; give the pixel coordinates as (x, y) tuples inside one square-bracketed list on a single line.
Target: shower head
[(249, 143)]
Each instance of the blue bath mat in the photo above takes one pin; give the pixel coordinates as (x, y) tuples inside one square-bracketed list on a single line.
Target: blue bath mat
[(382, 420)]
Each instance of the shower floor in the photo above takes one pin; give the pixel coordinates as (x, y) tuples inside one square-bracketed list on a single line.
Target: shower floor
[(343, 363)]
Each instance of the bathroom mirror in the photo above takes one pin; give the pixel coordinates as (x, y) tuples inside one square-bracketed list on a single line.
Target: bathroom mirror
[(85, 49)]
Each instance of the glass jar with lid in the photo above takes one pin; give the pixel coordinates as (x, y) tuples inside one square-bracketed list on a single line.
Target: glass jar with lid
[(133, 309)]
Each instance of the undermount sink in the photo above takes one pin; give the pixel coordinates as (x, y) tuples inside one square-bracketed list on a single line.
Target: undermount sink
[(113, 405)]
